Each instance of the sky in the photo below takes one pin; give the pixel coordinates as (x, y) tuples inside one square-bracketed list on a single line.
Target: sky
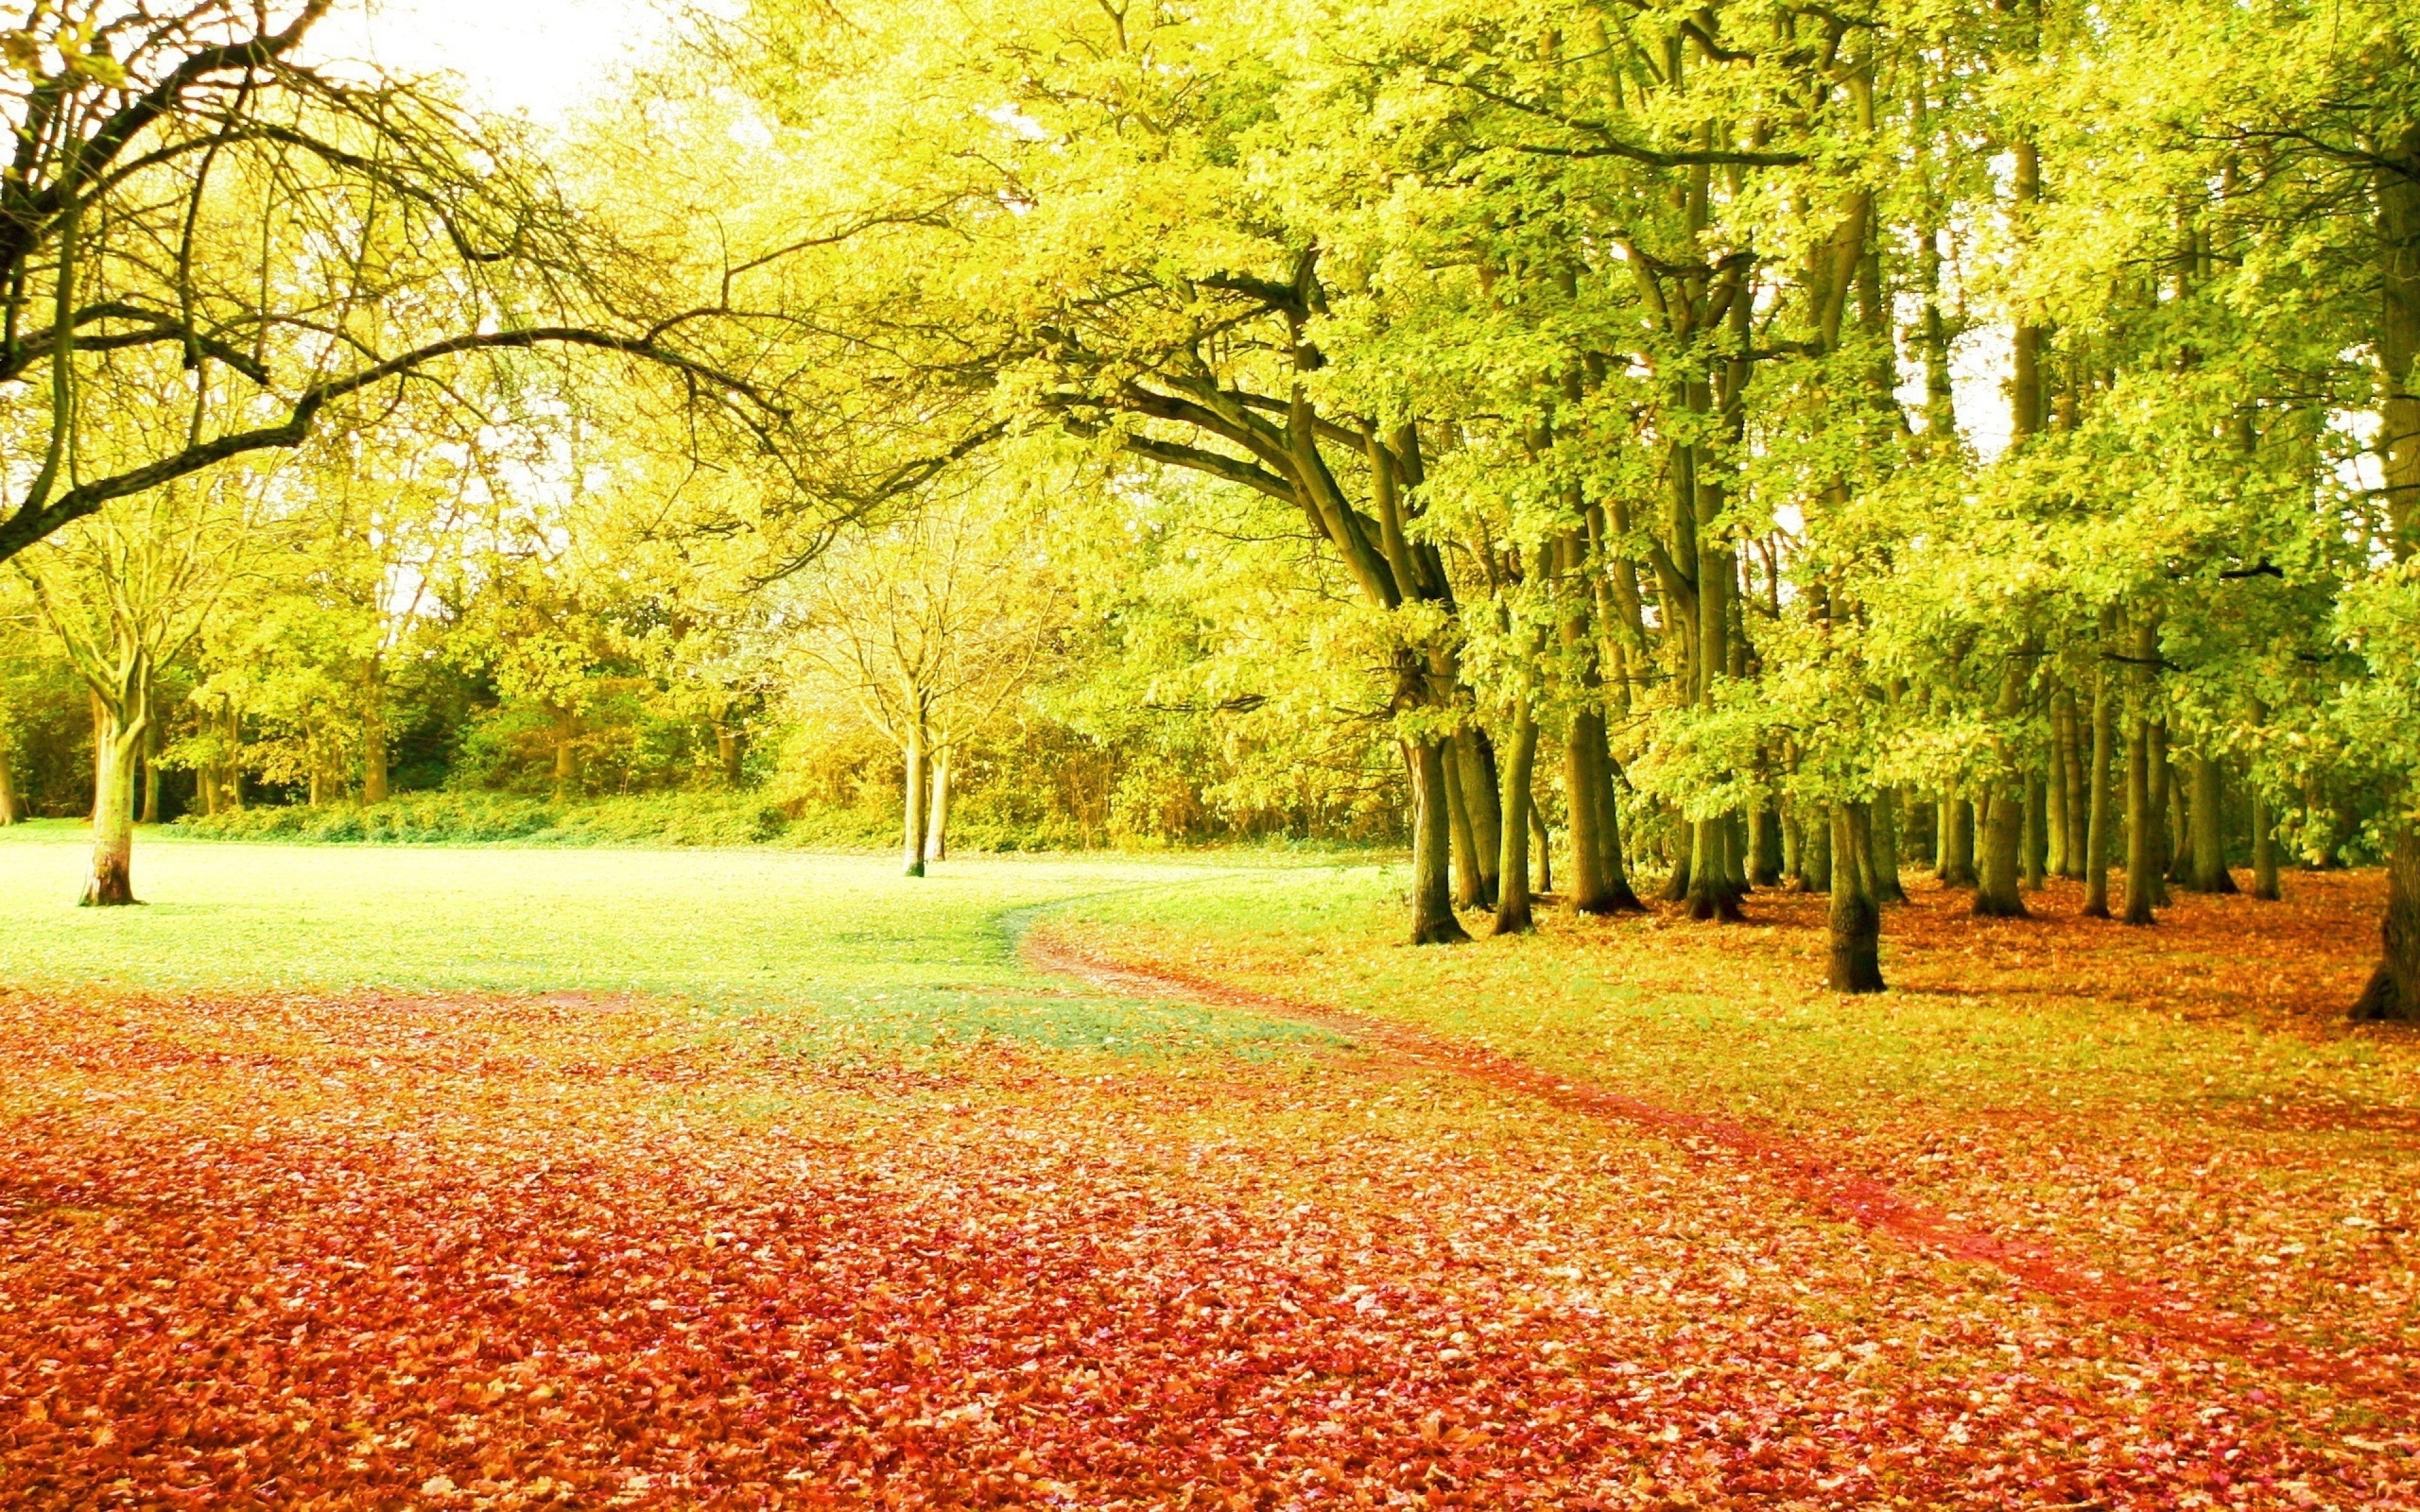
[(542, 57)]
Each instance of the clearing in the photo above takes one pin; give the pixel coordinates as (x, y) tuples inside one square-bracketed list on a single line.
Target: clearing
[(498, 1178)]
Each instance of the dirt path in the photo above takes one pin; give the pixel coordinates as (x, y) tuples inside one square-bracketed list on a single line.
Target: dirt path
[(1801, 1168)]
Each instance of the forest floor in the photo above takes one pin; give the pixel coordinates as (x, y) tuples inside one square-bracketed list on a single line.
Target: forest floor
[(490, 1178)]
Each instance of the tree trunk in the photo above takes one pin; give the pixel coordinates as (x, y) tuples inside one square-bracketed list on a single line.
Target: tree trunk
[(2060, 796), (2264, 850), (2035, 844), (151, 772), (9, 811), (1480, 781), (1512, 916), (1676, 882), (1817, 853), (231, 796), (2097, 816), (2142, 816), (1542, 841), (2162, 816), (2180, 824), (1468, 892), (1611, 863), (374, 752), (1712, 896), (1884, 848), (2079, 790), (1996, 892), (2394, 990), (1583, 748), (937, 827), (1793, 851), (1942, 825), (375, 775), (727, 753), (1765, 845), (916, 785), (1856, 920), (118, 744), (1960, 843), (2210, 872), (1433, 921)]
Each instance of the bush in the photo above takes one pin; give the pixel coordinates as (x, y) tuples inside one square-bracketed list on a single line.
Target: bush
[(688, 820), (483, 818)]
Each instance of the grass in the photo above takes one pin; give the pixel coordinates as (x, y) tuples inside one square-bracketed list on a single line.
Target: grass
[(2229, 1001), (654, 1175), (859, 954)]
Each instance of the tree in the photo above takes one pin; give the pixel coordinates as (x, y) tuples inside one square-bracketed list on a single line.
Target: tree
[(190, 209), (127, 592), (929, 627)]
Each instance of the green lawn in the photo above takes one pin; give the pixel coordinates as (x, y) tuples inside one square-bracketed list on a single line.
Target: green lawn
[(864, 953)]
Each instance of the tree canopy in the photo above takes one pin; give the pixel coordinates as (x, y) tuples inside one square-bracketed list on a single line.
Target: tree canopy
[(1696, 447)]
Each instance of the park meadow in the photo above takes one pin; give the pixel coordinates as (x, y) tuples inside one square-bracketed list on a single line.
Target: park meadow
[(1230, 756)]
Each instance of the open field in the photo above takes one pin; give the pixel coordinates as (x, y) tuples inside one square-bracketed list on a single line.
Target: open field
[(494, 1177)]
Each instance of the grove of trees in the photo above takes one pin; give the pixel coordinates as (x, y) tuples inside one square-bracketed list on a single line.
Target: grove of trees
[(1640, 446)]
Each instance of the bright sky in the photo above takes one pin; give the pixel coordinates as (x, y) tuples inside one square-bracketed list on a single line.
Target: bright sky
[(541, 56)]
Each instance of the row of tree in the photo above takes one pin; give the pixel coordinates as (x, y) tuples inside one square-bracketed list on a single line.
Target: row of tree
[(1633, 360), (1748, 440)]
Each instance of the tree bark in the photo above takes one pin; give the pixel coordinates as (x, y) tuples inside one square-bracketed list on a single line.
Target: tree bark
[(917, 785), (1433, 919), (2264, 850), (1818, 855), (2162, 816), (1960, 843), (1712, 896), (10, 813), (1513, 913), (1468, 892), (1793, 851), (1583, 748), (1765, 845), (1542, 842), (1856, 920), (1612, 864), (2178, 788), (2096, 840), (1479, 782), (2079, 792), (151, 772), (936, 845), (2210, 870), (116, 747), (2394, 990), (2060, 796), (2035, 841), (1996, 894), (728, 753), (2142, 817), (231, 795), (373, 753), (1884, 848), (567, 755)]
